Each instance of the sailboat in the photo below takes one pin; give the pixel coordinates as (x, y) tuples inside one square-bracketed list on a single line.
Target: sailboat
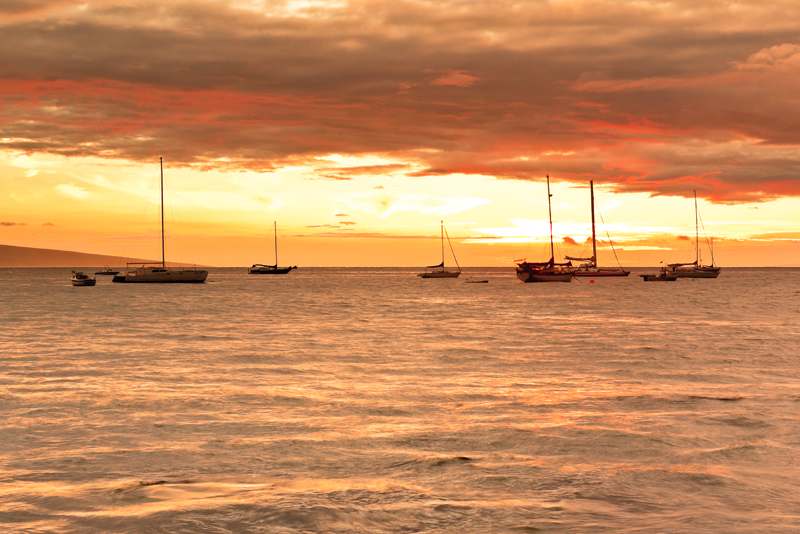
[(695, 269), (548, 271), (158, 272), (590, 268), (260, 268), (439, 271)]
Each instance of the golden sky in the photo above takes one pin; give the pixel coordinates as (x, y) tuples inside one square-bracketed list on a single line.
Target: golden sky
[(358, 126)]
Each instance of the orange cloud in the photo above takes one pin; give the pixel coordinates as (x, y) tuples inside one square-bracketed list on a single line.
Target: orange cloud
[(505, 94), (457, 78)]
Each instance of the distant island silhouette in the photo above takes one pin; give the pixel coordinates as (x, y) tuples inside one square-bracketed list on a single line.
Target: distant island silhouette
[(12, 256)]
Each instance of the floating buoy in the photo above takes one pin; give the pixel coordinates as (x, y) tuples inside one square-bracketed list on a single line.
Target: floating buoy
[(591, 281)]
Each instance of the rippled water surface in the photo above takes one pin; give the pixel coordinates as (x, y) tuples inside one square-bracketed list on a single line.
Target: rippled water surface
[(369, 400)]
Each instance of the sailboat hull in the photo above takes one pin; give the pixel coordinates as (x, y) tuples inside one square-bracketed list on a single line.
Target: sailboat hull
[(279, 270), (163, 276), (698, 273), (602, 273), (440, 274), (532, 277)]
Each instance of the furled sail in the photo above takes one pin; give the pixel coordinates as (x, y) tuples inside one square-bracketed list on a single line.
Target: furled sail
[(546, 264), (435, 266), (591, 259)]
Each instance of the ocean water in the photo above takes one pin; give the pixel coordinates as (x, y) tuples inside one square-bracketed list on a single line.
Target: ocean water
[(369, 400)]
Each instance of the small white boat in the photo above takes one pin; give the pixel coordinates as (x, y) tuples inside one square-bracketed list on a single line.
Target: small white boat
[(80, 279)]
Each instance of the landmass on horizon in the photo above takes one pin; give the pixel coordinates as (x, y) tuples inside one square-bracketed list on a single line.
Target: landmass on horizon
[(11, 256)]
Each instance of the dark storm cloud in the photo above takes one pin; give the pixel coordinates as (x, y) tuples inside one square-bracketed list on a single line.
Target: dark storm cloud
[(663, 98)]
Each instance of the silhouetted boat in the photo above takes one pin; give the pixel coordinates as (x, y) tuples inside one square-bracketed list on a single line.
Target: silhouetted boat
[(663, 276), (590, 268), (80, 279), (439, 270), (107, 271), (695, 269), (260, 268), (158, 272), (548, 271)]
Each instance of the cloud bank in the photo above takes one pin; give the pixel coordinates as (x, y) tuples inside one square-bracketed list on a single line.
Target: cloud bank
[(651, 97)]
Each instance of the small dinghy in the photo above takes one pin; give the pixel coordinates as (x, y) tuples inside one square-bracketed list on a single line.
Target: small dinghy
[(107, 271), (663, 276), (474, 281), (80, 279)]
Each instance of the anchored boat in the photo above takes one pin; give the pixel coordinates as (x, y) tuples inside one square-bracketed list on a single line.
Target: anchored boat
[(548, 271), (158, 272), (695, 269), (81, 279), (439, 271), (260, 268), (590, 268)]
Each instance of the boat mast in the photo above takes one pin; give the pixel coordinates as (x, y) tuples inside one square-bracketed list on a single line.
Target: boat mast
[(163, 257), (696, 233), (594, 241), (442, 222), (275, 229), (550, 213)]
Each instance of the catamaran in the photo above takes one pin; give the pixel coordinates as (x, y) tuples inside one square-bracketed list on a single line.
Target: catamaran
[(158, 272), (439, 271), (260, 268), (548, 271), (695, 269), (590, 268)]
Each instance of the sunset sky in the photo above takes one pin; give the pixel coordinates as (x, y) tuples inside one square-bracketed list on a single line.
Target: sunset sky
[(359, 125)]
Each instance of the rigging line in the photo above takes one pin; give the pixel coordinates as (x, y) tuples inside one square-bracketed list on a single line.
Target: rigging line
[(451, 248), (706, 236), (609, 240), (176, 238), (137, 236)]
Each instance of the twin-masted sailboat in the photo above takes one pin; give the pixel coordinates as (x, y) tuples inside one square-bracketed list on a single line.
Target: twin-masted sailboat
[(548, 271), (590, 268), (695, 269), (439, 271), (260, 268), (158, 272)]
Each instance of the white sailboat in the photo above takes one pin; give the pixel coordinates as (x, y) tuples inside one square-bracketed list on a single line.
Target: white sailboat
[(260, 268), (548, 271), (158, 272), (590, 268), (439, 271), (695, 269)]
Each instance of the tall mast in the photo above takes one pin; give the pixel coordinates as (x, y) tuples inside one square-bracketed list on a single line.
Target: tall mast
[(163, 257), (550, 213), (594, 241), (696, 233), (442, 222), (275, 229)]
